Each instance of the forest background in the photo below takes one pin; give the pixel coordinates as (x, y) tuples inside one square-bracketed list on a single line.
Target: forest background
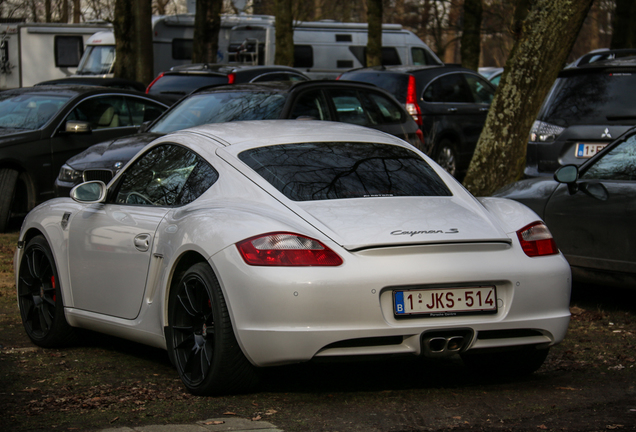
[(439, 23)]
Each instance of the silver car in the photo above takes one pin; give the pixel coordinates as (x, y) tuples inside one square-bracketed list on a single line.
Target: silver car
[(249, 244)]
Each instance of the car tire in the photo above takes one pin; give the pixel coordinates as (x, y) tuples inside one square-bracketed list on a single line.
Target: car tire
[(446, 156), (200, 338), (40, 297), (513, 362), (8, 183)]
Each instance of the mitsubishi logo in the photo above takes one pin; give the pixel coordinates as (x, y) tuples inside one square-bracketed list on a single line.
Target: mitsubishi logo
[(606, 134)]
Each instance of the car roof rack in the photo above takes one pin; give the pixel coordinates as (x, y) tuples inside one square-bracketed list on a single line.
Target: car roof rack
[(602, 55)]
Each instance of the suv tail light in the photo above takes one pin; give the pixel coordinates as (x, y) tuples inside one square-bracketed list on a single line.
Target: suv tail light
[(287, 250), (153, 82), (231, 78), (536, 240), (411, 102), (544, 132)]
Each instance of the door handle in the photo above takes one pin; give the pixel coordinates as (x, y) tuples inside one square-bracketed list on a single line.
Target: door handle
[(483, 109), (452, 110), (142, 242)]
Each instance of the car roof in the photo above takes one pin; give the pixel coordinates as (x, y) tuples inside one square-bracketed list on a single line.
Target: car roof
[(95, 81), (202, 68), (285, 86), (409, 69), (73, 90), (628, 63), (259, 133)]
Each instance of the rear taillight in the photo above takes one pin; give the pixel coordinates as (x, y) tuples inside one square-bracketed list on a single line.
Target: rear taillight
[(231, 78), (153, 82), (286, 249), (411, 101), (536, 240), (338, 77)]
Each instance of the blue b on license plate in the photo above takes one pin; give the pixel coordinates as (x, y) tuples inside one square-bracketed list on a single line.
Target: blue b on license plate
[(441, 302), (585, 151)]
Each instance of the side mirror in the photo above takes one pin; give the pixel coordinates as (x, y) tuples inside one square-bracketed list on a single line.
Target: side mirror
[(568, 174), (90, 192), (79, 127)]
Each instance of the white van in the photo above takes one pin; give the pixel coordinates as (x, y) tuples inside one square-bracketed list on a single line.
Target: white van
[(34, 52), (322, 49)]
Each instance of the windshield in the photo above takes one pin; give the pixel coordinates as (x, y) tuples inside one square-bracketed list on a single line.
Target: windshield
[(28, 111), (595, 98), (336, 170), (97, 60), (221, 107)]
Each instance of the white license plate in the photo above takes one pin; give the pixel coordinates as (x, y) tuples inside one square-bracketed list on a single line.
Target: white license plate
[(588, 150), (445, 301)]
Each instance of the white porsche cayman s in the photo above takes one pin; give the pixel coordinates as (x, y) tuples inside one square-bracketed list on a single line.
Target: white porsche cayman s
[(249, 244)]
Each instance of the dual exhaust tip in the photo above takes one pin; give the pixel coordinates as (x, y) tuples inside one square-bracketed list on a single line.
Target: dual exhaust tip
[(446, 343)]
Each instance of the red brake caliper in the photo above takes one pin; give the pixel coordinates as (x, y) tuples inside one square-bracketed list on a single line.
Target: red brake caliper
[(53, 285)]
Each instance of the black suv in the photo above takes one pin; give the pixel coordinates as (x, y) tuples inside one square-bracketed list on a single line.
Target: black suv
[(590, 104), (179, 81), (356, 103), (449, 102)]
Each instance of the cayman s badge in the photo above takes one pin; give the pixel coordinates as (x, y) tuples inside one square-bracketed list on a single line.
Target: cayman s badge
[(606, 134)]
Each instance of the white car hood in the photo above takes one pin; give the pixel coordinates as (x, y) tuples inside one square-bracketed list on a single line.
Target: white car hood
[(373, 222)]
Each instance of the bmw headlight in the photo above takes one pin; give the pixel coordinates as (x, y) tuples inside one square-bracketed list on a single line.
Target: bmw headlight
[(544, 132), (68, 174)]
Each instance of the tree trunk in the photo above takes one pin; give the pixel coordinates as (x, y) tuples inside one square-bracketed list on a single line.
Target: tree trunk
[(471, 34), (123, 28), (624, 30), (77, 11), (544, 42), (374, 40), (48, 16), (64, 12), (284, 33), (143, 47), (207, 23)]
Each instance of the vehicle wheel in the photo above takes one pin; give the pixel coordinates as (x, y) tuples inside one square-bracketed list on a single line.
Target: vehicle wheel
[(518, 361), (40, 297), (446, 156), (8, 181), (201, 341)]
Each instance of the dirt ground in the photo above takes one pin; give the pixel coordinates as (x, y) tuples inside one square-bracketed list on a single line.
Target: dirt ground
[(588, 383)]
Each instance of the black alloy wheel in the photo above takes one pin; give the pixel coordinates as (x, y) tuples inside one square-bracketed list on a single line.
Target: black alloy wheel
[(40, 297), (201, 341)]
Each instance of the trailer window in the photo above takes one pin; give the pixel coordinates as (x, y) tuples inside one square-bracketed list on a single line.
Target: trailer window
[(182, 49), (68, 50), (303, 56), (390, 56)]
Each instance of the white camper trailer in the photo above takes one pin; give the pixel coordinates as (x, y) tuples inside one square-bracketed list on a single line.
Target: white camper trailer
[(322, 49), (35, 52), (172, 43)]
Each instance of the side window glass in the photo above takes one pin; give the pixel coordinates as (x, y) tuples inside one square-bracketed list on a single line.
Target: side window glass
[(311, 104), (303, 56), (167, 175), (451, 88), (349, 108), (383, 110), (100, 112), (390, 57), (618, 164), (68, 50), (480, 89), (419, 56), (142, 111)]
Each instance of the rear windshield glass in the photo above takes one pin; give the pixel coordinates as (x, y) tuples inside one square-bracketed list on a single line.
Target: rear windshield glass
[(219, 107), (335, 170), (598, 98), (184, 84), (396, 84)]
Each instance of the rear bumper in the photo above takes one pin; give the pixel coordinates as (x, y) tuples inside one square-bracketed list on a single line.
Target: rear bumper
[(287, 315)]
